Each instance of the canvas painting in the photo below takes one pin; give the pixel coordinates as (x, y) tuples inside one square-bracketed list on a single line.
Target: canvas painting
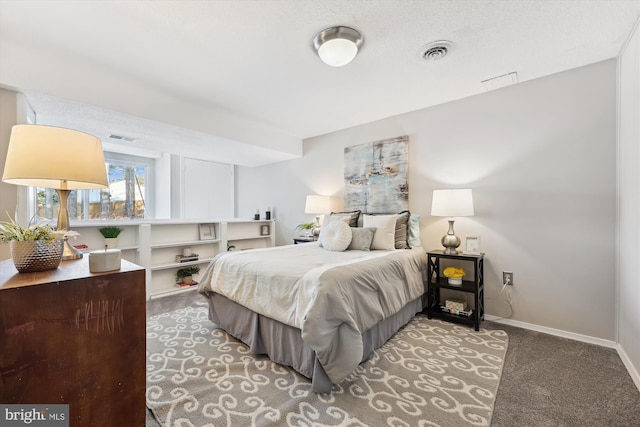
[(375, 176)]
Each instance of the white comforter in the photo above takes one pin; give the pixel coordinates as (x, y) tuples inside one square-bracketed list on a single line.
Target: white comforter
[(332, 297)]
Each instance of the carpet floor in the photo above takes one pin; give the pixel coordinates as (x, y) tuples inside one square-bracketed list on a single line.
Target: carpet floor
[(546, 380)]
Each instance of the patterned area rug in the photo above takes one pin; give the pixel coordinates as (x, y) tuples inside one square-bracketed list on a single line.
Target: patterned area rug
[(431, 373)]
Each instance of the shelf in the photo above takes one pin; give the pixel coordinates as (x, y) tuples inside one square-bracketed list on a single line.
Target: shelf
[(249, 238), (186, 243), (180, 264), (436, 312), (467, 285)]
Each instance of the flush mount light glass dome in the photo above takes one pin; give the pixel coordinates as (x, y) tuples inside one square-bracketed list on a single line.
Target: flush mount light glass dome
[(337, 46)]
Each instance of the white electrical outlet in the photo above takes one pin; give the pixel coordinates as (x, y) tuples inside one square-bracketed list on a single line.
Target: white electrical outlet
[(507, 278)]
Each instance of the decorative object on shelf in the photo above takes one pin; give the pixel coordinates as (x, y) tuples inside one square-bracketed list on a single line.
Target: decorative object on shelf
[(376, 176), (33, 248), (455, 304), (267, 214), (187, 258), (473, 245), (207, 232), (110, 234), (337, 46), (308, 226), (265, 230), (230, 247), (58, 158), (452, 203), (185, 275), (454, 275), (256, 216), (104, 260), (317, 205)]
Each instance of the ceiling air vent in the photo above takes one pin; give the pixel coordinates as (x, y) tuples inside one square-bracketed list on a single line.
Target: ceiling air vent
[(435, 50), (122, 138), (500, 81)]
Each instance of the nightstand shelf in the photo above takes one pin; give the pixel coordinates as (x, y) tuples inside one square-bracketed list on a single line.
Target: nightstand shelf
[(436, 283)]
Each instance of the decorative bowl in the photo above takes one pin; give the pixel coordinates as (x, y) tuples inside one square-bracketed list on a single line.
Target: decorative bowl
[(36, 255)]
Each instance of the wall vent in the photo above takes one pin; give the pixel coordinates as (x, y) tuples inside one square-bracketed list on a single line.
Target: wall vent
[(500, 81), (122, 138)]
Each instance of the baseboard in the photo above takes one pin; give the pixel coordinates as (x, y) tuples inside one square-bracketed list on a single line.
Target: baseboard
[(551, 331), (635, 376), (172, 292)]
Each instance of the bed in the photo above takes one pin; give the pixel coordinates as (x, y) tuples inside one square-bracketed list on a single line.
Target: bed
[(319, 311)]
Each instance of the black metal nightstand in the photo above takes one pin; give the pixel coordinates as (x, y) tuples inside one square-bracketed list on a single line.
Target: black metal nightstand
[(297, 240), (436, 282)]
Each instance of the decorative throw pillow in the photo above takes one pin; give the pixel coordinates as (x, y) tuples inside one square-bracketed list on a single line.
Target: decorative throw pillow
[(362, 238), (336, 236), (353, 217), (328, 220), (414, 231), (402, 230), (384, 237)]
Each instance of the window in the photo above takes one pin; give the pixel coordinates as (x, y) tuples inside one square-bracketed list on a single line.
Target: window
[(126, 197)]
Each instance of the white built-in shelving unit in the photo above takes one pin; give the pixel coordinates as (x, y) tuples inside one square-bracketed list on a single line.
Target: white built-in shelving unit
[(154, 244)]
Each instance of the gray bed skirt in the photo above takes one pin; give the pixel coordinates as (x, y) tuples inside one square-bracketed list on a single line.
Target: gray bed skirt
[(283, 343)]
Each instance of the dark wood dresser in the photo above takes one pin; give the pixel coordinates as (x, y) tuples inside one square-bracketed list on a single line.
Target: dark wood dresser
[(68, 336)]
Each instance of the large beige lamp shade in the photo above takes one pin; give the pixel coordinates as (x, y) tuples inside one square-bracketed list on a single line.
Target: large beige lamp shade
[(53, 157), (452, 203), (317, 205)]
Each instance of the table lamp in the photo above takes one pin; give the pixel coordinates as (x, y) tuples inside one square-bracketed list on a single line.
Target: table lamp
[(58, 158), (452, 203), (317, 205)]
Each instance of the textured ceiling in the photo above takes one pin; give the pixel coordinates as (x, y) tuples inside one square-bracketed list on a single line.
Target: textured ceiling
[(238, 81)]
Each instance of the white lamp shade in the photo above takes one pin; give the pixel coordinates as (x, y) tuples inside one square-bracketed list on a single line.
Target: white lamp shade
[(317, 204), (338, 52), (456, 202), (53, 157)]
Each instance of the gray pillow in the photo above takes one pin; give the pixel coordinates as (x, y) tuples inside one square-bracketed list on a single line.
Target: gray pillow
[(352, 215), (361, 239), (402, 230)]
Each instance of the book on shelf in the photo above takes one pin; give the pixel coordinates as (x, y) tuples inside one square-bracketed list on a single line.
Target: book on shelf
[(186, 285), (192, 257), (465, 313)]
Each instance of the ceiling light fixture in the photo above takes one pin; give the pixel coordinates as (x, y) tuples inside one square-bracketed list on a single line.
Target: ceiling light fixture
[(337, 46)]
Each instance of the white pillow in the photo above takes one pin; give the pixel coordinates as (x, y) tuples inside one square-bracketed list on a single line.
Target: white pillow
[(328, 219), (385, 225), (336, 236)]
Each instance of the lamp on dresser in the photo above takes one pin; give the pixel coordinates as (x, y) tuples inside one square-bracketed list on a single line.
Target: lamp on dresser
[(452, 203), (317, 205), (58, 158)]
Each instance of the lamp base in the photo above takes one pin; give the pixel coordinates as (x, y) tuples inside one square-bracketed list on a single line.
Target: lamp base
[(69, 252), (450, 241)]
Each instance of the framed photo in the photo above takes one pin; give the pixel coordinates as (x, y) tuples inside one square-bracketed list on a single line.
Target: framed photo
[(265, 230), (207, 232), (473, 245)]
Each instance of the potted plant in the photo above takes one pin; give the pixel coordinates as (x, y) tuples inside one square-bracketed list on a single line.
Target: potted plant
[(110, 234), (184, 276), (33, 248), (308, 226)]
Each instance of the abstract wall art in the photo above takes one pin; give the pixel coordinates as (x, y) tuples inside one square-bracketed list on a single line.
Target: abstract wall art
[(375, 176)]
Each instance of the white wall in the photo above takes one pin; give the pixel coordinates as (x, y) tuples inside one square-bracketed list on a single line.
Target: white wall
[(629, 205), (207, 190), (540, 157)]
